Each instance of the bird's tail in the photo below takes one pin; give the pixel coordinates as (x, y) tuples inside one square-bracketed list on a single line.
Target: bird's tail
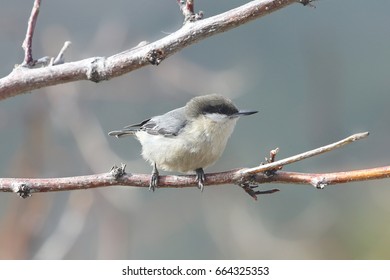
[(121, 133)]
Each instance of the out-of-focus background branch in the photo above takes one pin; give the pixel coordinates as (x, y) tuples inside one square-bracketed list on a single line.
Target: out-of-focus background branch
[(312, 78)]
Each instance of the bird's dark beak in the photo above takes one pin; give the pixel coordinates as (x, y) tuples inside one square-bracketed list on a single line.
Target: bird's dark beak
[(245, 113)]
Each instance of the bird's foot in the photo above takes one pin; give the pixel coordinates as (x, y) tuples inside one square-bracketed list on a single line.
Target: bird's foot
[(200, 177), (153, 184)]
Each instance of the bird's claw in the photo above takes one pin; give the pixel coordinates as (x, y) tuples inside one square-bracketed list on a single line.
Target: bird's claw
[(153, 184), (200, 177)]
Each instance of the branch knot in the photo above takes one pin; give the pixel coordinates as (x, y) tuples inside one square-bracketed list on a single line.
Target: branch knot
[(118, 172), (96, 70), (307, 3), (155, 56), (319, 183), (23, 190)]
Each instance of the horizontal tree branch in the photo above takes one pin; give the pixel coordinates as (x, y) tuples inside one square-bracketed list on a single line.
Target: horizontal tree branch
[(247, 180), (96, 69), (26, 186)]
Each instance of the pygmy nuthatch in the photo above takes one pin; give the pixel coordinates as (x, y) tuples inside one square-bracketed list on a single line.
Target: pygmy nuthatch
[(186, 139)]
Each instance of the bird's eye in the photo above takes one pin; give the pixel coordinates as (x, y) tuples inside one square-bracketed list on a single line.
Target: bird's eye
[(221, 109)]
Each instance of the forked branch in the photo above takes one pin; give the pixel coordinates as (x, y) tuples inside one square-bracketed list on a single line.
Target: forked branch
[(275, 165)]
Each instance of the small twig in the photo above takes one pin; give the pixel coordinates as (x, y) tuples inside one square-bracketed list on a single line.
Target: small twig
[(190, 6), (187, 8), (60, 57), (272, 155), (305, 155), (250, 189), (27, 43)]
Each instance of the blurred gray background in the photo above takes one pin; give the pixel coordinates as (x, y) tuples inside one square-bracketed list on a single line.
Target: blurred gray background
[(315, 75)]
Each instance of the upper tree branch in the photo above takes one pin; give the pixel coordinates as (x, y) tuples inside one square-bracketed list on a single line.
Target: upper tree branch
[(97, 69)]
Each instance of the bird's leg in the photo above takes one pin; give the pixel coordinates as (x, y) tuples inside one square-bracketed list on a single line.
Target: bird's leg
[(200, 177), (153, 184)]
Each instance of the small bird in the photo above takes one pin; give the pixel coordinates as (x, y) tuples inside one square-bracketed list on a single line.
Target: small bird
[(188, 138)]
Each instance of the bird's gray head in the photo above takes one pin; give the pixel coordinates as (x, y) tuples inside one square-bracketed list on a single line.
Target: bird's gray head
[(213, 104)]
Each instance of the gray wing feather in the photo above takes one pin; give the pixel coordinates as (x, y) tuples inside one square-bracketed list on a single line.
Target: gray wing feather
[(169, 124)]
